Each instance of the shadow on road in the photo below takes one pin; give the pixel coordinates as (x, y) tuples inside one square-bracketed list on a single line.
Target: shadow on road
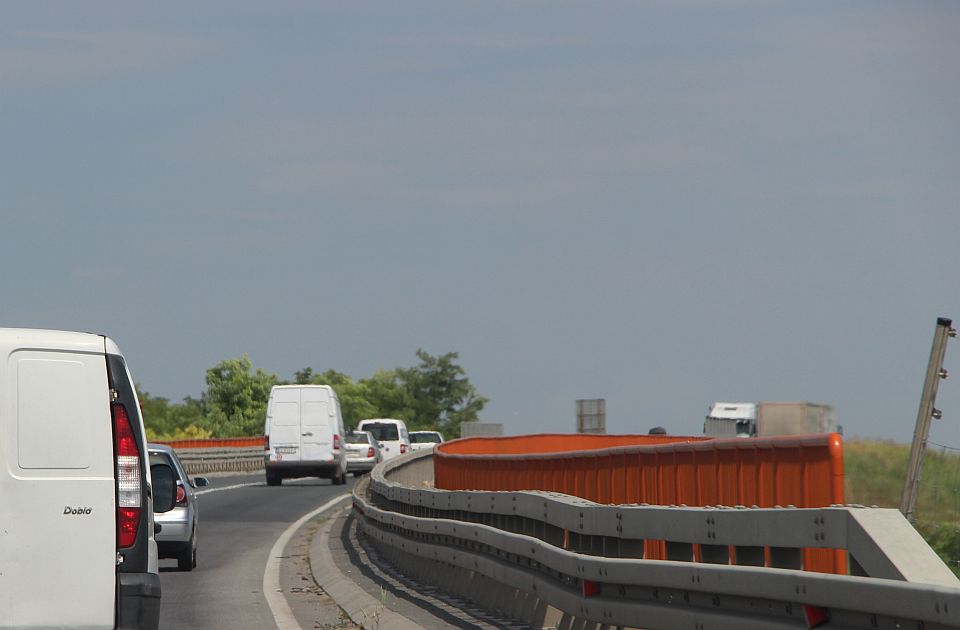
[(350, 546)]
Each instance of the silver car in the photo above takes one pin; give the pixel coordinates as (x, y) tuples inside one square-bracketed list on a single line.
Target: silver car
[(177, 537), (363, 452)]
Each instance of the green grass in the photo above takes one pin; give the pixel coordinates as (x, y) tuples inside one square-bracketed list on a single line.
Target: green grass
[(874, 475)]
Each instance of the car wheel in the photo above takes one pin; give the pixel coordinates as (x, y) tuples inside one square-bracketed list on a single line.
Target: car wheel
[(274, 479), (186, 559)]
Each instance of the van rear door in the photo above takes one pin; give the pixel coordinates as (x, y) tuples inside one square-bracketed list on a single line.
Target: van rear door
[(57, 490), (316, 437), (284, 421)]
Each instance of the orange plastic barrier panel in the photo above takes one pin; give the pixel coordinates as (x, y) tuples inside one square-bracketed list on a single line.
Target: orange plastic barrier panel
[(554, 443), (801, 471), (238, 442)]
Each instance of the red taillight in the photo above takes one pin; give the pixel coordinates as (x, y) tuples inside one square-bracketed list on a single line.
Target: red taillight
[(128, 521), (403, 448), (370, 452), (125, 442), (181, 495), (266, 442), (336, 441), (129, 480)]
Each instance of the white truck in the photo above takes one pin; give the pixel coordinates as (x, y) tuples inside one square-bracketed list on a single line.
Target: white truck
[(77, 546), (768, 418)]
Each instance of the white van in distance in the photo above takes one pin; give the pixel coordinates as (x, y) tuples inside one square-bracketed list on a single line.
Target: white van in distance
[(304, 434), (390, 434), (77, 546)]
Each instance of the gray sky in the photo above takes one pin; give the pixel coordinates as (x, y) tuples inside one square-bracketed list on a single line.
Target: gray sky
[(662, 204)]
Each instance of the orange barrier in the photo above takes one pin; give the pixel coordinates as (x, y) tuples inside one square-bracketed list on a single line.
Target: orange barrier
[(801, 471), (237, 442), (554, 443)]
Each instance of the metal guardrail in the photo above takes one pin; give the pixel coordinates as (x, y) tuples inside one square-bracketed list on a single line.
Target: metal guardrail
[(557, 561), (207, 460), (800, 470)]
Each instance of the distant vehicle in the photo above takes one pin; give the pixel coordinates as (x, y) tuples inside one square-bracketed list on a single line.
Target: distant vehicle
[(795, 418), (177, 537), (77, 546), (769, 418), (363, 452), (731, 420), (391, 435), (422, 440), (303, 433)]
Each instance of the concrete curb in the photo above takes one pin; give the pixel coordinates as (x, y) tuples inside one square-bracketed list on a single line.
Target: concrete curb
[(365, 610)]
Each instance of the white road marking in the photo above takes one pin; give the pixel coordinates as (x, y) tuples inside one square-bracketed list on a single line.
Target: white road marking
[(271, 574), (233, 487), (245, 485)]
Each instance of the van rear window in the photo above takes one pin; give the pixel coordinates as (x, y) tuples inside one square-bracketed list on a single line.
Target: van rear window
[(383, 432)]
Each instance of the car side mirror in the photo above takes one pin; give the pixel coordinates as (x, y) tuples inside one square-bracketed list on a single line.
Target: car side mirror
[(164, 488), (200, 482)]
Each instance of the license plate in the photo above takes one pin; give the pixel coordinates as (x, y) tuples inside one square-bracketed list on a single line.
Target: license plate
[(286, 450), (353, 455)]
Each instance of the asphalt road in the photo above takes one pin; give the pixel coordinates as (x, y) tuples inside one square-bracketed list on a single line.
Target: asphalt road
[(238, 527)]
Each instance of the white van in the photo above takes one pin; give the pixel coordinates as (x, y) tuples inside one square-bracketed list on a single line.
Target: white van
[(304, 434), (391, 434), (77, 542)]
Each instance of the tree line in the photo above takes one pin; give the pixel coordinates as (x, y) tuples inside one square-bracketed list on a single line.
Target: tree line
[(434, 394)]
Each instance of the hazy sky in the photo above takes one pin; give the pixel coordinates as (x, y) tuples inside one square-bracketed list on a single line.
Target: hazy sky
[(662, 204)]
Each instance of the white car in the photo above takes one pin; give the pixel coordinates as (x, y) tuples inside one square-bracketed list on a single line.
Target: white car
[(363, 452), (422, 440), (391, 435)]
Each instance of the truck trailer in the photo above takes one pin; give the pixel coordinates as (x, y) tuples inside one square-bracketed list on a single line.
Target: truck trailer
[(768, 418)]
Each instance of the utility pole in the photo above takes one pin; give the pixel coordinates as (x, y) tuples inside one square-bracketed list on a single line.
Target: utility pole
[(927, 411)]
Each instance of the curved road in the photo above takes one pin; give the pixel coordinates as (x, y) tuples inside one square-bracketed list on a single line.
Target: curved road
[(238, 527)]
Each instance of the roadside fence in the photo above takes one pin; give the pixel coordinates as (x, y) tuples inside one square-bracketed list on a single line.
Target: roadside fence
[(219, 454)]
